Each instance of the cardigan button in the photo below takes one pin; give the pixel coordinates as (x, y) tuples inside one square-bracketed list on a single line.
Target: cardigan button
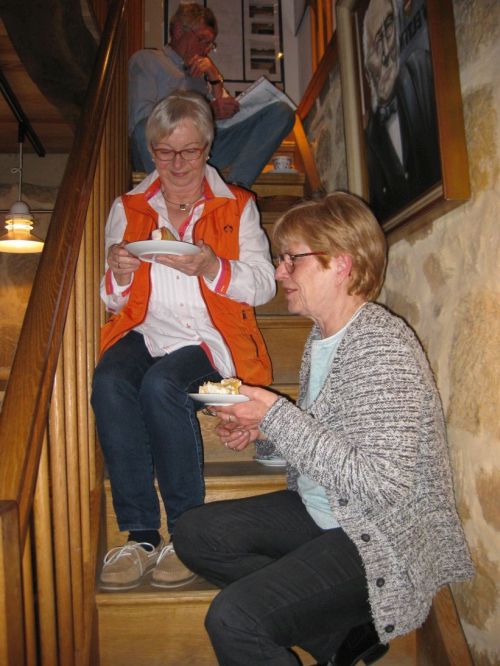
[(365, 538), (380, 582), (343, 502), (389, 628)]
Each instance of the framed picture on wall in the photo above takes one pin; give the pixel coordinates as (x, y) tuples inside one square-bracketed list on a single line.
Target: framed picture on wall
[(405, 139), (261, 20)]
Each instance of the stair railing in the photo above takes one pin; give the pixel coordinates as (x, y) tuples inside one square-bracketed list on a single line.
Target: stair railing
[(50, 472), (321, 29)]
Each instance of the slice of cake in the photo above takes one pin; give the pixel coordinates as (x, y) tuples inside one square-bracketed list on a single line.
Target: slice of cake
[(228, 386), (162, 234)]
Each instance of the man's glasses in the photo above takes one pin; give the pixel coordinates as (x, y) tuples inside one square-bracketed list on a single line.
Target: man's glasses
[(290, 259), (207, 44), (188, 154)]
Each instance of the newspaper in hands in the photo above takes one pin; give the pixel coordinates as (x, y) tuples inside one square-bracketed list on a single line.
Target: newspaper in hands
[(258, 95)]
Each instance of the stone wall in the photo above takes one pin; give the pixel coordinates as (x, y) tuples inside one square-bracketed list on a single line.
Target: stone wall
[(445, 281)]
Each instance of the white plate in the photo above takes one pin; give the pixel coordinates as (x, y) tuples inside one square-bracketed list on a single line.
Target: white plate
[(147, 250), (218, 399), (270, 461)]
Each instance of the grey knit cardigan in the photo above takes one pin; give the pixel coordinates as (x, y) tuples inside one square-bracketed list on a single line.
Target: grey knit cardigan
[(375, 439)]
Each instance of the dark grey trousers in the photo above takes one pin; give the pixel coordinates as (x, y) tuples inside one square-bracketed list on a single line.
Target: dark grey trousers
[(286, 582)]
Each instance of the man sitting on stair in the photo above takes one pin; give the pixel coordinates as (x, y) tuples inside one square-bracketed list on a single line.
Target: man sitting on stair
[(245, 147)]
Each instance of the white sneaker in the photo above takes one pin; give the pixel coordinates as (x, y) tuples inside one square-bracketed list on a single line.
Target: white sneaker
[(169, 570), (125, 566)]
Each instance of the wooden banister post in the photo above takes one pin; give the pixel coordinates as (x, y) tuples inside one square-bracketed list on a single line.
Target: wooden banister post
[(307, 158), (11, 593)]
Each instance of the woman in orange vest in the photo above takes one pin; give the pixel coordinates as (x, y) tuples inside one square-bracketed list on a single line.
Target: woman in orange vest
[(181, 314)]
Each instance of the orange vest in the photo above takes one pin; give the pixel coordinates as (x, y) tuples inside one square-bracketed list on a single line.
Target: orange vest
[(218, 227)]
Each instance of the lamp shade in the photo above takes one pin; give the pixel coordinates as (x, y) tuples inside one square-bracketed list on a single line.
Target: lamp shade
[(18, 237)]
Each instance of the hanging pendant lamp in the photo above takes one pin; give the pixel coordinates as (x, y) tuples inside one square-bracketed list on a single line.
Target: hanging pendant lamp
[(19, 221)]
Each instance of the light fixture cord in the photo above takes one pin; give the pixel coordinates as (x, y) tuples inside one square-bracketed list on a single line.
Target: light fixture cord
[(19, 169)]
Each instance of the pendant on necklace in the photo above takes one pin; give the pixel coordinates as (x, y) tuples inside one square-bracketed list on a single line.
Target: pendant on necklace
[(183, 206)]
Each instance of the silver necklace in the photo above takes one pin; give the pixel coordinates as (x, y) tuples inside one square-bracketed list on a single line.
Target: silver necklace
[(184, 205)]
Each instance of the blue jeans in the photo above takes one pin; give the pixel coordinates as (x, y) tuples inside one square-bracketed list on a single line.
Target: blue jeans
[(285, 580), (147, 424), (245, 147)]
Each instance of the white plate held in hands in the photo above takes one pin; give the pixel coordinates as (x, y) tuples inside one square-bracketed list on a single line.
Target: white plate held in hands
[(218, 399), (147, 250)]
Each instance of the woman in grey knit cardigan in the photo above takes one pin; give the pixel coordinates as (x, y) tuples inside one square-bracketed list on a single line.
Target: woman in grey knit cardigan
[(352, 553)]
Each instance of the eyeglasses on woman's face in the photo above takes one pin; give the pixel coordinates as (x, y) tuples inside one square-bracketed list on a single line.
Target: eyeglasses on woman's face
[(188, 154), (289, 259)]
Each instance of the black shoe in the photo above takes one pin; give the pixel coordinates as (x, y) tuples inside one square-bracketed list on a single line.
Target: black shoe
[(361, 644)]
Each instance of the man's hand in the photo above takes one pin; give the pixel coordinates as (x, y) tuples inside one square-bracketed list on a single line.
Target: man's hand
[(202, 66), (224, 107)]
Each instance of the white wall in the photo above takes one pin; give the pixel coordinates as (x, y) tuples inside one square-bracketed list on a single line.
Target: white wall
[(297, 48)]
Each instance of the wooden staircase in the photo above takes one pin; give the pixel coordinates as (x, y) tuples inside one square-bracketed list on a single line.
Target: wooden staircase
[(151, 626)]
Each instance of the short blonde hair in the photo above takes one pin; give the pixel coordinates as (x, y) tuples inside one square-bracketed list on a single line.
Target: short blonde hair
[(173, 110), (340, 223)]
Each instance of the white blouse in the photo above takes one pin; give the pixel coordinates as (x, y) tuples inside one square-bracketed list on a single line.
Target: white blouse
[(177, 315)]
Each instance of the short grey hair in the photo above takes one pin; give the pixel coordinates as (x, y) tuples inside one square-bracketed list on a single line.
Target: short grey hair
[(171, 111), (191, 15)]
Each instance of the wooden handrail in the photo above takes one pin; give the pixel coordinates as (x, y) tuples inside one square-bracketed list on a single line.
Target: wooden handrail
[(319, 78), (312, 92), (26, 402)]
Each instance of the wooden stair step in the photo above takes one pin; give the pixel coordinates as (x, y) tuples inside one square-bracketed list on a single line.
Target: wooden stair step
[(224, 480), (166, 628), (273, 184), (276, 204), (158, 628), (285, 337)]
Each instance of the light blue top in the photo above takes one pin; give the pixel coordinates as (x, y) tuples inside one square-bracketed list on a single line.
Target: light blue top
[(313, 495), (152, 75)]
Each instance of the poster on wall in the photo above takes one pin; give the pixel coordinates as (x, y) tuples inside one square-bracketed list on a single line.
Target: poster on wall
[(402, 107)]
